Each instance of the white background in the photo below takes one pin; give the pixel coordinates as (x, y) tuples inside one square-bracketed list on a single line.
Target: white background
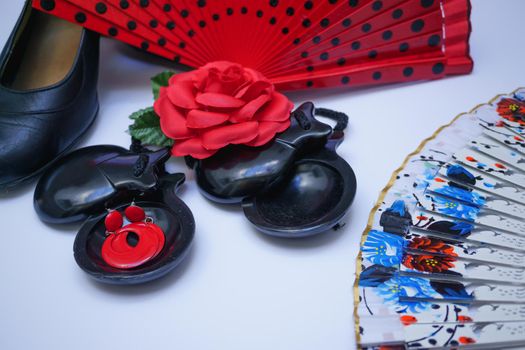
[(238, 289)]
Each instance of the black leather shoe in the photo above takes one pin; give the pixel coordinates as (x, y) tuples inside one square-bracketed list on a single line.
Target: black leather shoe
[(48, 97)]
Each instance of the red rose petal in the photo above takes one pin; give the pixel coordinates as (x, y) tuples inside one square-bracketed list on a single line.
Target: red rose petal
[(278, 110), (198, 119), (251, 91), (234, 133), (192, 147), (248, 110), (267, 131), (181, 94), (172, 122), (213, 99)]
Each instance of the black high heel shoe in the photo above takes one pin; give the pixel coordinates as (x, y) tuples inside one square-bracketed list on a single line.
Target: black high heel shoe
[(48, 98)]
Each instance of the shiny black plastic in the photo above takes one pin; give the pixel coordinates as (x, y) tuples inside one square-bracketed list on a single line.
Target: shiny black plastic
[(313, 199), (168, 211), (90, 179), (83, 184), (240, 171)]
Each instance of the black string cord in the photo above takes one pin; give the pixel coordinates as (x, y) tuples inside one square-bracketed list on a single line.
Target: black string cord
[(340, 117)]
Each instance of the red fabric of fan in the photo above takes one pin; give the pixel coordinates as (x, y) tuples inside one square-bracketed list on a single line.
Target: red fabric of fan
[(296, 44)]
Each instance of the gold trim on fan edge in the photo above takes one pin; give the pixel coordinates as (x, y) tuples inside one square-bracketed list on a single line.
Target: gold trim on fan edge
[(382, 195)]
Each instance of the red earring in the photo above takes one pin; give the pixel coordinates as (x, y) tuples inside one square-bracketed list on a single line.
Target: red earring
[(134, 244)]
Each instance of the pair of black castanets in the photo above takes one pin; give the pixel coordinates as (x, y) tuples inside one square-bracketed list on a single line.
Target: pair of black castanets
[(295, 186)]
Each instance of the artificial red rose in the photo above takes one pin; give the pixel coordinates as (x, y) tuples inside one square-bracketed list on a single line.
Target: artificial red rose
[(512, 109), (219, 104)]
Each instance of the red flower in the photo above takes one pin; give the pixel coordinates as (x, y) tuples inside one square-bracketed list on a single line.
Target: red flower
[(466, 340), (512, 109), (428, 263), (407, 320), (219, 104), (431, 245), (464, 319)]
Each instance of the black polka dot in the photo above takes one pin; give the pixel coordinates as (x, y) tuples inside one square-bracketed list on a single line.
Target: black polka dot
[(341, 61), (332, 2), (345, 80), (202, 24), (113, 31), (356, 45), (316, 39), (310, 68), (372, 54), (306, 23), (176, 59), (397, 14), (101, 8), (153, 23), (201, 3), (191, 33), (296, 41), (325, 22), (308, 5), (366, 27), (144, 3), (170, 25), (324, 56), (346, 22), (182, 44), (274, 3), (161, 41), (376, 75), (417, 25), (144, 45), (215, 17), (167, 8), (403, 47), (290, 11), (438, 68), (259, 13), (434, 40), (244, 10), (387, 35), (408, 71), (184, 13), (353, 3), (124, 4), (48, 5), (377, 5), (80, 17), (273, 20), (304, 54), (427, 3), (132, 25), (285, 30), (335, 41), (309, 83)]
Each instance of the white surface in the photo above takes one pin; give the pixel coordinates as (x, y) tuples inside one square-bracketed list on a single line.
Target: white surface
[(238, 289)]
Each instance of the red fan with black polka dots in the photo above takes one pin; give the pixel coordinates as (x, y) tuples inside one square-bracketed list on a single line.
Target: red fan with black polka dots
[(296, 43)]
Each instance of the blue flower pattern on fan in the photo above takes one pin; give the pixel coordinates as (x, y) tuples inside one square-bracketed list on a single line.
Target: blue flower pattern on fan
[(461, 194), (383, 248), (455, 209), (403, 286)]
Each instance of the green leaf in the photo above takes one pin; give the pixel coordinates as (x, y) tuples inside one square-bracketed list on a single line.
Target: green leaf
[(146, 128), (159, 81)]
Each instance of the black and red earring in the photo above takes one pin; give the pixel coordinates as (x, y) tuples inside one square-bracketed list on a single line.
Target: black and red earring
[(132, 245)]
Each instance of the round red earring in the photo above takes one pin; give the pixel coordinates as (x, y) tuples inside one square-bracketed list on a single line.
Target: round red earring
[(134, 244)]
